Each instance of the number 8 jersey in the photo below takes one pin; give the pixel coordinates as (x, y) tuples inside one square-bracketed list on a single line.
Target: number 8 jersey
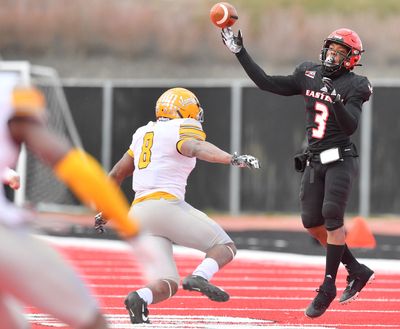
[(159, 165)]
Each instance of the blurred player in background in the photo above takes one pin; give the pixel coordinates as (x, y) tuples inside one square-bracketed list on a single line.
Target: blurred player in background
[(31, 272), (333, 97), (161, 157)]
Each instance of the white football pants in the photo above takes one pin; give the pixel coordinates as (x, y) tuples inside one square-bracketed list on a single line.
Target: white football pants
[(165, 222)]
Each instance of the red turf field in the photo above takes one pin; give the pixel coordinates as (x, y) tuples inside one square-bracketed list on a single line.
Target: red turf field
[(265, 292)]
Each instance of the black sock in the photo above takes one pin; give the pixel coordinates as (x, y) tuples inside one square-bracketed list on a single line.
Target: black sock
[(348, 260), (333, 257)]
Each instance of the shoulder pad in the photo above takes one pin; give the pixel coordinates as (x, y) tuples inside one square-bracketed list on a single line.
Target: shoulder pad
[(190, 128), (191, 122), (306, 66), (362, 88)]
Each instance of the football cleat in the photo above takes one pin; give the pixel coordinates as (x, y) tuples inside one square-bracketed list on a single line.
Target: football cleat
[(321, 302), (197, 283), (137, 308), (356, 281)]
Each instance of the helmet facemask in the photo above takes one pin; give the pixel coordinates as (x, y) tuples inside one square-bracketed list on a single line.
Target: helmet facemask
[(328, 61), (200, 115)]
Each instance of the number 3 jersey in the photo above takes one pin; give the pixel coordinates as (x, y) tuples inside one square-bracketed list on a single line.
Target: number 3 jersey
[(159, 165), (323, 130)]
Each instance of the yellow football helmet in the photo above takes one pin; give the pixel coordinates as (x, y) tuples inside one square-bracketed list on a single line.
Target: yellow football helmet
[(179, 103)]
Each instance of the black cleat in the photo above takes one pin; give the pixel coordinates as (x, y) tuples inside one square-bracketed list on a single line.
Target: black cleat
[(197, 283), (356, 281), (137, 308), (321, 302)]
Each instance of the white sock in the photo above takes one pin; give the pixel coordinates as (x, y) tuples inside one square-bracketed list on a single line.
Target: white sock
[(146, 294), (207, 268)]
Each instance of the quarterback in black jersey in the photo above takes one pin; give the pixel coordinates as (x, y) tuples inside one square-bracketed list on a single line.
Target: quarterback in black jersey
[(333, 97)]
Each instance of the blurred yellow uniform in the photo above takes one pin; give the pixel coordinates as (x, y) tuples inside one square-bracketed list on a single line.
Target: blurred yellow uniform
[(29, 270)]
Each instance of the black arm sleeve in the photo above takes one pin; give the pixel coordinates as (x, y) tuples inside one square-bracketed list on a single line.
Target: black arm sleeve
[(348, 116), (281, 85)]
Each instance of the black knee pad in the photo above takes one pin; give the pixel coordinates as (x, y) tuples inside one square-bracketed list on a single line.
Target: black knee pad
[(311, 221), (333, 214), (333, 224), (332, 210)]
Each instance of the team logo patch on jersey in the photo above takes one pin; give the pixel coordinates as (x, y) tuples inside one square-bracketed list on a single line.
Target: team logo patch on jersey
[(310, 74)]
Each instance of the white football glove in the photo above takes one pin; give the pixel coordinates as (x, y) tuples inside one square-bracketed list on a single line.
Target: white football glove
[(244, 161), (11, 178), (231, 41), (99, 222)]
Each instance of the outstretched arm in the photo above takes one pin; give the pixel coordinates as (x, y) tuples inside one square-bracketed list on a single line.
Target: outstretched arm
[(205, 151), (281, 85), (209, 152)]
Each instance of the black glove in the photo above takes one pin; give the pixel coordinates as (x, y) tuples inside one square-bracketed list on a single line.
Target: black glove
[(329, 89), (99, 223), (234, 43), (244, 161)]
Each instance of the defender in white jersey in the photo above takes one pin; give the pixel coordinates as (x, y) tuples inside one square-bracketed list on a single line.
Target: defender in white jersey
[(161, 157), (31, 272)]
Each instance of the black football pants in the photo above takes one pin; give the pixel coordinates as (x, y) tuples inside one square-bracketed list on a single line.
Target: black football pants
[(325, 191)]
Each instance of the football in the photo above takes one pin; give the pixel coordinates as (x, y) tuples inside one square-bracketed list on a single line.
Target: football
[(223, 14)]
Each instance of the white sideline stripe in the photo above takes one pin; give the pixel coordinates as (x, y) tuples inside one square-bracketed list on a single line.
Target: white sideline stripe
[(182, 322), (382, 265), (120, 321), (192, 321)]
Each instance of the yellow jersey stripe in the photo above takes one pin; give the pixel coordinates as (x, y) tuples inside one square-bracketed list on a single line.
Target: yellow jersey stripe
[(185, 127), (130, 152), (179, 145), (191, 136), (190, 132)]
